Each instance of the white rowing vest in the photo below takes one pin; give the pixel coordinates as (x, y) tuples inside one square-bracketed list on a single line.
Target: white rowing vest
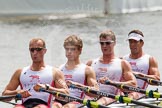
[(29, 78), (112, 70), (140, 65), (76, 75)]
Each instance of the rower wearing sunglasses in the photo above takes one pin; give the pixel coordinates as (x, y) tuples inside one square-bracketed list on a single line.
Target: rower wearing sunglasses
[(37, 75), (109, 67)]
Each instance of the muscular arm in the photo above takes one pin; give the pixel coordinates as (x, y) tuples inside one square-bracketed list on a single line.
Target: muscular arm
[(153, 69), (91, 76), (13, 84), (11, 88), (91, 79), (128, 77), (60, 81)]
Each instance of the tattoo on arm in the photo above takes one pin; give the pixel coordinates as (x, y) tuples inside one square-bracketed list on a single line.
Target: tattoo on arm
[(62, 83), (94, 86)]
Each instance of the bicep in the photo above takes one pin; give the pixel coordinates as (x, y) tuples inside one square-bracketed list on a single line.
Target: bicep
[(14, 81), (153, 69), (90, 77), (127, 71)]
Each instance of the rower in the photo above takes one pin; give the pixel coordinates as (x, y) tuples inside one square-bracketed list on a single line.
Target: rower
[(109, 67), (38, 74), (75, 71), (143, 65)]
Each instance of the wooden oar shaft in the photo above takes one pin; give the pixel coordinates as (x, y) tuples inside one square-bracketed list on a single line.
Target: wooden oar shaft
[(118, 98)]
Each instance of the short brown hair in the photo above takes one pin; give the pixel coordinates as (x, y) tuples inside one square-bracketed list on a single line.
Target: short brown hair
[(108, 33), (73, 40), (137, 32)]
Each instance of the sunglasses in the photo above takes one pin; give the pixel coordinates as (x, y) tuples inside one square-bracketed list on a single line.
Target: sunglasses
[(35, 49), (107, 42)]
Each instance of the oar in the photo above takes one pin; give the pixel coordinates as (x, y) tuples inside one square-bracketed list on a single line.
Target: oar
[(121, 99), (88, 103), (149, 80), (5, 97), (149, 93), (9, 102)]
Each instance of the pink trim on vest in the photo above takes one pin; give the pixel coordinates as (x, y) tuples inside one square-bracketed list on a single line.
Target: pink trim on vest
[(50, 96)]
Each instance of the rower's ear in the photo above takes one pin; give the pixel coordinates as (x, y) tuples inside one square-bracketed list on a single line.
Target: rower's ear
[(80, 49), (45, 50)]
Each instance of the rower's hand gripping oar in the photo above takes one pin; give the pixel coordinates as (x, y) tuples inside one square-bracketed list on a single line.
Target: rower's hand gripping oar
[(121, 99), (149, 80), (88, 103), (149, 93)]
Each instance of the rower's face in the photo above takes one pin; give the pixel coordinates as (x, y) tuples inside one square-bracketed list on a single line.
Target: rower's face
[(72, 52), (107, 45), (37, 51), (135, 46)]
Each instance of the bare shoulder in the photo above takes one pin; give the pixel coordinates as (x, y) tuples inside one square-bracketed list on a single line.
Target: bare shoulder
[(89, 62), (57, 72), (14, 81), (124, 62), (89, 70), (55, 69), (125, 65), (17, 73), (152, 59)]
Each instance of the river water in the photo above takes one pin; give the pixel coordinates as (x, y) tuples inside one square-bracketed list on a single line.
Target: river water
[(15, 33)]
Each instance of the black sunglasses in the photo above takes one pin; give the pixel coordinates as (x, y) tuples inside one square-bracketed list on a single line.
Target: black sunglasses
[(37, 49), (107, 43)]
